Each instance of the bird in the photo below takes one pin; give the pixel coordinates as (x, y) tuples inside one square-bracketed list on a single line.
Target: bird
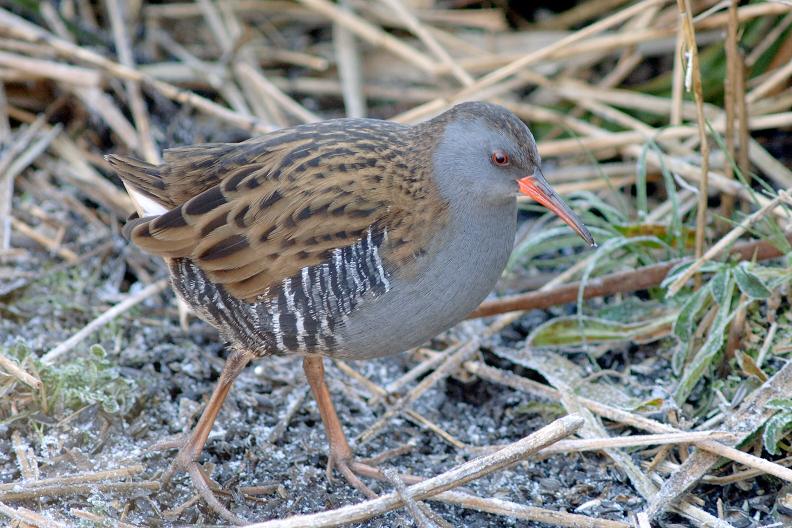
[(346, 238)]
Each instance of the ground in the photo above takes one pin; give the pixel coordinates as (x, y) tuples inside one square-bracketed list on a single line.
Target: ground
[(150, 377)]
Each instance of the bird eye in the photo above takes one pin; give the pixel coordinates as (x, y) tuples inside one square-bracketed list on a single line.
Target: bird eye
[(500, 158)]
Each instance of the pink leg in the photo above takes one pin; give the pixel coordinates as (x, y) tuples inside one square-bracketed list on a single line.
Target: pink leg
[(340, 453)]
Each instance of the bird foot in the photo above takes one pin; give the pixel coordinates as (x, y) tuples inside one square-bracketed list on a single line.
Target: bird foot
[(352, 468), (349, 468), (187, 460)]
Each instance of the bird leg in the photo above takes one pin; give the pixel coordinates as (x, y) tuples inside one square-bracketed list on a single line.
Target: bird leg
[(189, 451), (340, 453)]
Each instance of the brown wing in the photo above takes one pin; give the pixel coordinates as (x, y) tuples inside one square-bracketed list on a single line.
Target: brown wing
[(190, 170), (261, 210)]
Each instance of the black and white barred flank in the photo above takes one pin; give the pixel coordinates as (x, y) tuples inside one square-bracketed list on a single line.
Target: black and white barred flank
[(302, 314)]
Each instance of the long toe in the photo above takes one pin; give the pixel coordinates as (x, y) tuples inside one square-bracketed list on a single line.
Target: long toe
[(345, 466), (187, 460), (203, 486)]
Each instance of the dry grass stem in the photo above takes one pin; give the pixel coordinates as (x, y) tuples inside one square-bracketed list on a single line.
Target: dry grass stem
[(146, 143), (768, 342), (102, 104), (750, 415), (372, 34), (10, 154), (111, 474), (775, 80), (26, 458), (514, 510), (416, 372), (29, 518), (429, 41), (453, 361), (22, 29), (733, 68), (348, 58), (79, 489), (38, 68), (413, 507), (628, 419), (44, 241), (267, 89), (15, 371), (98, 519), (132, 300), (595, 444), (747, 459), (580, 13), (694, 71), (514, 67)]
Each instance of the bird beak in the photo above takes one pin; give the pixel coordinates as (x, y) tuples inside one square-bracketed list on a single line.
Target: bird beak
[(537, 188)]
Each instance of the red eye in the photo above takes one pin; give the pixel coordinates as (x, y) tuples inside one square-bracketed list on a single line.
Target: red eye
[(500, 158)]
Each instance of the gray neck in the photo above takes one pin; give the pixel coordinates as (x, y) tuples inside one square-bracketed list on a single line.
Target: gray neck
[(479, 240)]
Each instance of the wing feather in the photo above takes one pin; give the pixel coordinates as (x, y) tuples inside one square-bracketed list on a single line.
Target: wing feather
[(254, 213)]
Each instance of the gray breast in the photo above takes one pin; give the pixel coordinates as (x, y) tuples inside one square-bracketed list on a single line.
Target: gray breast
[(456, 275)]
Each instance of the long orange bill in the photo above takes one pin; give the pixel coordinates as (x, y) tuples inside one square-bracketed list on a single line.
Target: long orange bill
[(536, 187)]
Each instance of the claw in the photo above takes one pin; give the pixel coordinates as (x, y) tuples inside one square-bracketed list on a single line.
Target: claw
[(191, 445)]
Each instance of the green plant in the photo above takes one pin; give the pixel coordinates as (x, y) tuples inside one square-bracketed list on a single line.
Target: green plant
[(778, 426), (93, 379)]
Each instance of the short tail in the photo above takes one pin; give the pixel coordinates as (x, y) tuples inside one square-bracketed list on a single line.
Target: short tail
[(143, 177)]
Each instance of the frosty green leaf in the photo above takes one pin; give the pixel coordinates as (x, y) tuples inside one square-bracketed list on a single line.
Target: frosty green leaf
[(572, 331), (775, 430), (750, 284)]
